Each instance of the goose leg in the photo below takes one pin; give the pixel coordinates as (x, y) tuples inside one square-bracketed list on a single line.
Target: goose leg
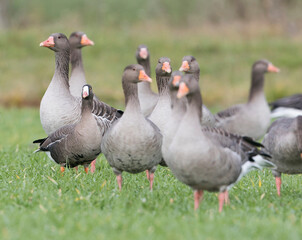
[(278, 185), (221, 200), (62, 170), (151, 178), (86, 168), (92, 168), (119, 180), (197, 196), (76, 168)]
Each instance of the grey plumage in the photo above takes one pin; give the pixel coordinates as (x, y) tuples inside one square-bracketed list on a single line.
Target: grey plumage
[(178, 109), (293, 101), (283, 140), (287, 107), (58, 107), (253, 118), (75, 144), (146, 96), (191, 66), (77, 40), (209, 159), (162, 109), (133, 143)]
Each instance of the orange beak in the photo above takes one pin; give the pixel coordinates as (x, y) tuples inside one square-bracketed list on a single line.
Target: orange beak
[(85, 41), (143, 77), (272, 68), (143, 53), (166, 67), (184, 66), (183, 90), (48, 43), (176, 80)]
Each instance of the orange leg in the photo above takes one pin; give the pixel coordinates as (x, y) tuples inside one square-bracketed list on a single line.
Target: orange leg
[(221, 200), (197, 196), (278, 185), (92, 169), (119, 180), (62, 170), (148, 175), (151, 178), (86, 169)]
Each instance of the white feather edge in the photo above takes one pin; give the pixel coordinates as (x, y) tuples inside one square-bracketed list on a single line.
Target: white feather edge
[(286, 112), (259, 163)]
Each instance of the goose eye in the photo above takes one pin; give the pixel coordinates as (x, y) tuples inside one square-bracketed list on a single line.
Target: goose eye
[(59, 37), (133, 69)]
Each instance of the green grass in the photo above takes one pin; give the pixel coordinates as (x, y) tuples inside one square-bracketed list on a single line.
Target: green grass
[(36, 202)]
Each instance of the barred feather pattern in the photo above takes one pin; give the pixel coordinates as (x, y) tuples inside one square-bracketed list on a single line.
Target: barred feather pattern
[(104, 114), (245, 146)]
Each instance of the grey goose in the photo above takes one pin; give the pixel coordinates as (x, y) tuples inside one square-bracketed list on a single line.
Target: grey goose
[(77, 41), (190, 66), (287, 107), (58, 107), (252, 118), (201, 158), (162, 109), (133, 143), (178, 109), (75, 144), (146, 96), (283, 140)]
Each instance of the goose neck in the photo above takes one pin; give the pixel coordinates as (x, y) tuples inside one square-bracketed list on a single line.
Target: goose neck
[(257, 85)]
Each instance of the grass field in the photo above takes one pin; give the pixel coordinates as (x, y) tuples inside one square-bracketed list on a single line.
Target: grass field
[(36, 202), (225, 57)]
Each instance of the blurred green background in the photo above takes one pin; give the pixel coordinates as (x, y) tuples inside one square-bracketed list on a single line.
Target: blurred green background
[(226, 37)]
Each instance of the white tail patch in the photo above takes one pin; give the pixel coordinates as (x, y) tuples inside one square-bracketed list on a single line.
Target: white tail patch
[(259, 163), (285, 112), (49, 155)]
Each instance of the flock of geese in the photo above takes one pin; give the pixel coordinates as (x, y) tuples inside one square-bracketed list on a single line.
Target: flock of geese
[(172, 127)]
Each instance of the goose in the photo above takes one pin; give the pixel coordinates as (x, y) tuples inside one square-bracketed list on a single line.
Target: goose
[(287, 107), (75, 144), (252, 118), (77, 40), (178, 109), (190, 66), (133, 143), (198, 158), (146, 96), (58, 107), (162, 110), (283, 141)]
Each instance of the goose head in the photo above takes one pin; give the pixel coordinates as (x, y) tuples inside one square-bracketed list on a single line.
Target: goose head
[(163, 67), (57, 42), (142, 52), (79, 40), (189, 65), (135, 73)]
